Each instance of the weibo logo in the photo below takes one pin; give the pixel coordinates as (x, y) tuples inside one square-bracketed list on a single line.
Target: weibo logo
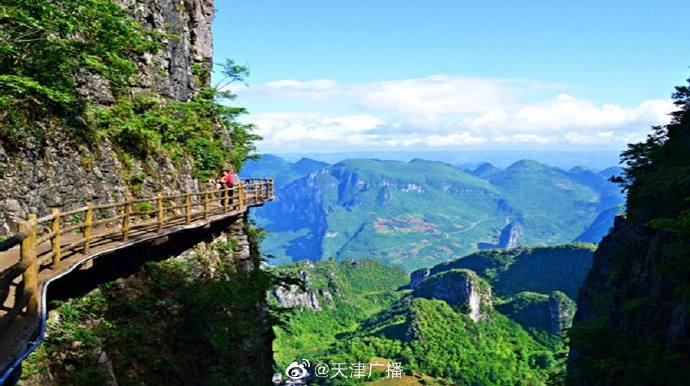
[(296, 371)]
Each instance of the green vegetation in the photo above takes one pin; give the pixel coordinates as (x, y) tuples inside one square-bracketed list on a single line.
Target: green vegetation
[(358, 289), (447, 344), (636, 301), (68, 37), (97, 39), (372, 317), (422, 213), (145, 125), (542, 270), (177, 320), (283, 171)]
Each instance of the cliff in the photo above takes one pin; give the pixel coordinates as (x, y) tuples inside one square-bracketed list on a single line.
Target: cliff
[(56, 169), (632, 326), (125, 107), (460, 288)]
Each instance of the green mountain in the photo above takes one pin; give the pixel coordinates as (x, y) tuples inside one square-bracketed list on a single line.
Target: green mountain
[(542, 270), (284, 172), (633, 322), (421, 213), (449, 325), (338, 296)]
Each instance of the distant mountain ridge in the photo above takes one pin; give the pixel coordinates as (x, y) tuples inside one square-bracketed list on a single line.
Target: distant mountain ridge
[(420, 213), (564, 159)]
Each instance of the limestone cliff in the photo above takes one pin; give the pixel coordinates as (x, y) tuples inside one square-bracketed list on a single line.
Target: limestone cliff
[(304, 298), (632, 326), (57, 171), (461, 289), (184, 317), (187, 46)]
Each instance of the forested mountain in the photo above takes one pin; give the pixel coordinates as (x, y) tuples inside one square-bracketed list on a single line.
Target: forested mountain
[(633, 322), (419, 213), (282, 171), (469, 321)]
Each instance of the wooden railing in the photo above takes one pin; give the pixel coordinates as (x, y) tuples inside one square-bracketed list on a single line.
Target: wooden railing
[(47, 241)]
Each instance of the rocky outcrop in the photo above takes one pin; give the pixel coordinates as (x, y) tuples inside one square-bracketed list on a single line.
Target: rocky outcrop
[(561, 312), (57, 171), (540, 313), (461, 289), (185, 59), (509, 238), (303, 296), (293, 296), (418, 276)]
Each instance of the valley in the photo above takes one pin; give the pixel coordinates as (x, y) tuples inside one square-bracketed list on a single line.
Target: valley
[(419, 213), (494, 317)]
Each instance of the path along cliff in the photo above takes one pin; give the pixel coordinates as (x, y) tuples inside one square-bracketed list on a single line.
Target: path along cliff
[(109, 100)]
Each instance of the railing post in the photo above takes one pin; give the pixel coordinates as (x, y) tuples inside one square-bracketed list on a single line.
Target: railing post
[(88, 223), (159, 205), (188, 208), (88, 226), (205, 204), (30, 263), (226, 199), (241, 194), (125, 216), (55, 241)]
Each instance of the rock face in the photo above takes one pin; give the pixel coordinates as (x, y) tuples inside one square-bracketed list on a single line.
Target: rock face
[(292, 296), (187, 45), (509, 238), (461, 289), (629, 299), (561, 311), (418, 276), (57, 173), (632, 326)]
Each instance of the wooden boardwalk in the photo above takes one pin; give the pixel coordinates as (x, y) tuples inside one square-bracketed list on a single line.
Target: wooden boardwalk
[(56, 244)]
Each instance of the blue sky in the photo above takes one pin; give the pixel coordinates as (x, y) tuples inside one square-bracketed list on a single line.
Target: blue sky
[(362, 75)]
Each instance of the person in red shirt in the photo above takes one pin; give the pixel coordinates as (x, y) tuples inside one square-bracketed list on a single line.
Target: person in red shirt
[(227, 179)]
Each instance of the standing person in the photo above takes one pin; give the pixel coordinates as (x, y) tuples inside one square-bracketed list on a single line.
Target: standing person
[(228, 178)]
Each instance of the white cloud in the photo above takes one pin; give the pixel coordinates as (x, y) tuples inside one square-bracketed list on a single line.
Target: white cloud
[(440, 111)]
